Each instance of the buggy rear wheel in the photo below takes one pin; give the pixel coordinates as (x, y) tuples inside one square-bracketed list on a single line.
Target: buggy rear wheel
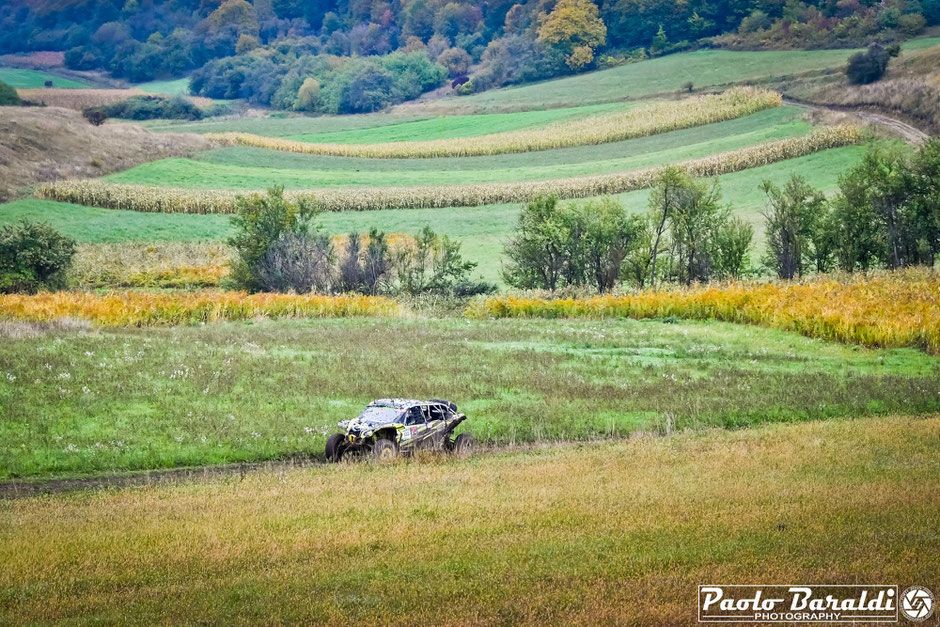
[(464, 444), (334, 447), (384, 449)]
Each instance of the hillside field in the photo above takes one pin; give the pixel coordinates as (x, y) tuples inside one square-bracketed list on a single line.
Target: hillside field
[(482, 230), (30, 79)]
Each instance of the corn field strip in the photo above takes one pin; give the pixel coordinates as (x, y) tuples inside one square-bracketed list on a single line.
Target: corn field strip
[(647, 120), (99, 193)]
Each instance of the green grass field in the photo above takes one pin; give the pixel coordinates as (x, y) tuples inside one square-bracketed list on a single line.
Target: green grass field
[(459, 125), (76, 402), (176, 87), (595, 534), (30, 79), (253, 168)]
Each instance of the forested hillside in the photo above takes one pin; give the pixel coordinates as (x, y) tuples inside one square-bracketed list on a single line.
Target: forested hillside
[(362, 55)]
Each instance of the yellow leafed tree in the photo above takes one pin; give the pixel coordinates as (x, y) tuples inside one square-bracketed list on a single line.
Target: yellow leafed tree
[(575, 28)]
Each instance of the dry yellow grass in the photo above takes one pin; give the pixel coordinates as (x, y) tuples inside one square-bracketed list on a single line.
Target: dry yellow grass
[(910, 90), (884, 309), (169, 265), (615, 533), (140, 309), (43, 144), (98, 193), (641, 121), (78, 99)]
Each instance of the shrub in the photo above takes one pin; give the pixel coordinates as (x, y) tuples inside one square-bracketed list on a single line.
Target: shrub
[(298, 263), (154, 107), (792, 217), (8, 96), (886, 210), (570, 245), (868, 67), (366, 270), (33, 257), (308, 95), (263, 259), (732, 243), (95, 115), (456, 60), (432, 264)]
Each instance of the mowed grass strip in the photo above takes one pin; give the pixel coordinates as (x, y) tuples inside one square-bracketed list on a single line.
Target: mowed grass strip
[(97, 193), (453, 126), (596, 534), (900, 308), (29, 79), (639, 121), (79, 400), (241, 167)]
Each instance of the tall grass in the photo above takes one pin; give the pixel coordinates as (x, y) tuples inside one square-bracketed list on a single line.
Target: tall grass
[(886, 309), (164, 265), (617, 533), (650, 119), (141, 309), (98, 193)]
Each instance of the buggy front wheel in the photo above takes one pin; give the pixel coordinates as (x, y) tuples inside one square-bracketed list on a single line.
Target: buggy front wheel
[(333, 447)]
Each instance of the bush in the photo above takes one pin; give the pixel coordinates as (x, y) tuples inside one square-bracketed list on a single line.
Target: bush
[(432, 265), (308, 94), (8, 96), (456, 60), (154, 107), (33, 257), (264, 246), (570, 245), (365, 271), (96, 115), (868, 67), (297, 262)]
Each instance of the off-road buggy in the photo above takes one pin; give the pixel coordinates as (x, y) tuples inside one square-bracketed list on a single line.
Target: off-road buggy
[(392, 426)]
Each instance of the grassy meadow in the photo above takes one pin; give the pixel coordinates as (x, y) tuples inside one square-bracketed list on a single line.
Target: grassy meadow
[(87, 400), (596, 533), (30, 79)]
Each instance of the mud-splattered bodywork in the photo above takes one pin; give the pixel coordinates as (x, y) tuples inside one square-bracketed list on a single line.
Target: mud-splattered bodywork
[(411, 424)]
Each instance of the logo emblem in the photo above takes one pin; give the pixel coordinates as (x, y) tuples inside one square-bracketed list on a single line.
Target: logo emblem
[(917, 604)]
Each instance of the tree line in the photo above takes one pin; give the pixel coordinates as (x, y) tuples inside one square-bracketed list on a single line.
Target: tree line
[(504, 40), (279, 247), (886, 214)]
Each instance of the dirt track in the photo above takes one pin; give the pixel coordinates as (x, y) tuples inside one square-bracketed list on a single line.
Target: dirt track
[(904, 130)]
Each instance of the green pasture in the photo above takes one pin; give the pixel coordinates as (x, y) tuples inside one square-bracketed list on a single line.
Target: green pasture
[(31, 79)]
